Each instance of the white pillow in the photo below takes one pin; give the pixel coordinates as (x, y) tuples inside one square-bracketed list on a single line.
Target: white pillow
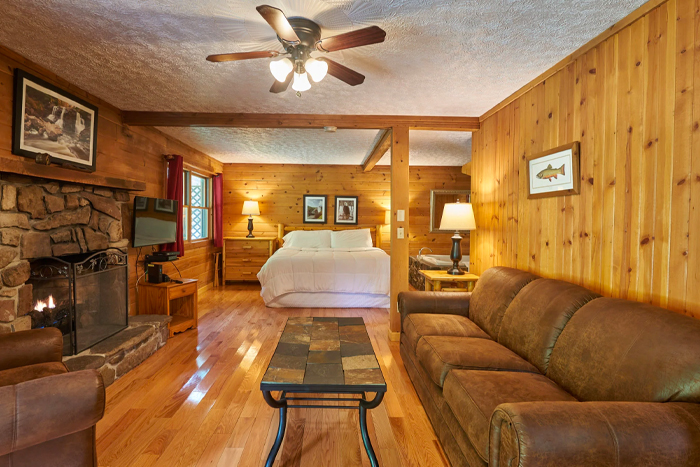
[(359, 238), (308, 239)]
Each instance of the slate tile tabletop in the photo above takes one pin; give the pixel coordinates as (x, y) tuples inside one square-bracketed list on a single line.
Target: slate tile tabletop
[(323, 354)]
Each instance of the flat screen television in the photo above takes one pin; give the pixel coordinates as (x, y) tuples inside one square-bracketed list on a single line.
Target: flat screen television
[(155, 221)]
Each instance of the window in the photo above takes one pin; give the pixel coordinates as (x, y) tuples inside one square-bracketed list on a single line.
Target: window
[(196, 206)]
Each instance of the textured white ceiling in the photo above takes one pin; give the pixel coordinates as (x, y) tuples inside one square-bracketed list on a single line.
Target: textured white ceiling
[(344, 147), (452, 57)]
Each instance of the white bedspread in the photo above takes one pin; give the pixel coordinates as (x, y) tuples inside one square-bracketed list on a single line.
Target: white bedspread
[(355, 270)]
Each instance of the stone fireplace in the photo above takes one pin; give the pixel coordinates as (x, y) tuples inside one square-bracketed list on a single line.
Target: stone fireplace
[(41, 219)]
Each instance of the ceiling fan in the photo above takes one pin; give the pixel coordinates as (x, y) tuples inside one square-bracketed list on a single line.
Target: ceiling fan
[(300, 37)]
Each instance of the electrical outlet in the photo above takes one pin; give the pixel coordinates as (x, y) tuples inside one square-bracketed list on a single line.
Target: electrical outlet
[(399, 232), (400, 215)]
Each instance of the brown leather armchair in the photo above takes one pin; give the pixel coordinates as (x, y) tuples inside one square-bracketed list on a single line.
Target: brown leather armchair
[(47, 415)]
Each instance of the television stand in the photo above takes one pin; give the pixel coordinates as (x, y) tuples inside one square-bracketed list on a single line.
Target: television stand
[(178, 300)]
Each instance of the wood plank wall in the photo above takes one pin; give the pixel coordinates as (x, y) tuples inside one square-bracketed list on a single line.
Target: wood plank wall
[(634, 230), (280, 188), (123, 152)]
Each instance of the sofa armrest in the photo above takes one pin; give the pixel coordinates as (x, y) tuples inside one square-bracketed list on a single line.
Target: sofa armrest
[(595, 433), (24, 348), (43, 409), (445, 303)]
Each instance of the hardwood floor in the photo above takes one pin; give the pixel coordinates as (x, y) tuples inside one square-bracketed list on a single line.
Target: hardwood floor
[(197, 401)]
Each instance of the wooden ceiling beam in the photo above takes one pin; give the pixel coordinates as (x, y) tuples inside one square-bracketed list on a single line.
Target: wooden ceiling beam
[(467, 168), (259, 120), (380, 148)]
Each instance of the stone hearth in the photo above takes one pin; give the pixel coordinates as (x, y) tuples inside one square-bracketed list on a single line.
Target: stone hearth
[(119, 354), (41, 218)]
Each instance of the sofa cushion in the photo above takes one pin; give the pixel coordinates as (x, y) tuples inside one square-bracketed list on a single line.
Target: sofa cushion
[(440, 354), (29, 372), (494, 291), (417, 325), (618, 350), (537, 315), (474, 395)]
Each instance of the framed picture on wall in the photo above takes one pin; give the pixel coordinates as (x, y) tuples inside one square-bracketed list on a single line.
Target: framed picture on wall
[(315, 209), (346, 210), (554, 172), (49, 120)]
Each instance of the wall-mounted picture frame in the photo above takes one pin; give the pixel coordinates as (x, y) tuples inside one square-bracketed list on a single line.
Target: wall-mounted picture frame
[(555, 172), (346, 210), (315, 209), (49, 120)]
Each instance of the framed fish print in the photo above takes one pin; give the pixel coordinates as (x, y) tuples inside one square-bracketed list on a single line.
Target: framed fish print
[(49, 120), (555, 172), (315, 207)]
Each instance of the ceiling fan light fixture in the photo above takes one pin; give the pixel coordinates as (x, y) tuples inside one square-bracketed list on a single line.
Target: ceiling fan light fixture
[(301, 82), (281, 68), (316, 68)]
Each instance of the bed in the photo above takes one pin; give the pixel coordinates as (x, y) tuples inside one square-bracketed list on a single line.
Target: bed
[(321, 268)]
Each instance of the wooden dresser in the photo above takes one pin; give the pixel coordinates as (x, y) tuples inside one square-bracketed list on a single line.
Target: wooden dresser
[(243, 257)]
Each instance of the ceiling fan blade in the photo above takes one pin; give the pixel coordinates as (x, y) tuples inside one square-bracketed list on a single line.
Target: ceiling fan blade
[(278, 21), (366, 36), (344, 73), (278, 87), (241, 56)]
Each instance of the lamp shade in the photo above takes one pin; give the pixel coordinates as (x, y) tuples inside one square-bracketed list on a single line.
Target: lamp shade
[(251, 208), (387, 218), (458, 216)]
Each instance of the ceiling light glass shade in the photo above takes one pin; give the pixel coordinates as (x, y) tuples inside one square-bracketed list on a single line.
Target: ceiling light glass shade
[(316, 68), (281, 68), (301, 82)]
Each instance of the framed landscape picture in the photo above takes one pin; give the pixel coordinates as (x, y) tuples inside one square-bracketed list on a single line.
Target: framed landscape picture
[(346, 210), (315, 209), (554, 172), (48, 120)]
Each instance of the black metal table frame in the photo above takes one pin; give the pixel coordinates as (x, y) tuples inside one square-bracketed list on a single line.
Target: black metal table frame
[(362, 404)]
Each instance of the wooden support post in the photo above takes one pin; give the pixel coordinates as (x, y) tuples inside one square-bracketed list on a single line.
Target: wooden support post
[(399, 247)]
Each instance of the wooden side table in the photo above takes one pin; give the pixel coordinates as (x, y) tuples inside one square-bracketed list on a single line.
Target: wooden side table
[(172, 299), (244, 257), (434, 280)]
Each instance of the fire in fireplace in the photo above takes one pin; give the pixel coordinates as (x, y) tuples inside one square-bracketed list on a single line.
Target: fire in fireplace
[(84, 296), (47, 314)]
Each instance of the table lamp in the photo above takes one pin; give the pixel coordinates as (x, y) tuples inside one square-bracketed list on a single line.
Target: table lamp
[(387, 218), (457, 216), (250, 208)]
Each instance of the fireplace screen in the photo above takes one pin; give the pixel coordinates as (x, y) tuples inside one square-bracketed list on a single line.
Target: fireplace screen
[(86, 297)]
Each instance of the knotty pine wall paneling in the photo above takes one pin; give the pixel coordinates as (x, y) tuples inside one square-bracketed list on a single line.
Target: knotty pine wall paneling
[(123, 152), (280, 188), (633, 101)]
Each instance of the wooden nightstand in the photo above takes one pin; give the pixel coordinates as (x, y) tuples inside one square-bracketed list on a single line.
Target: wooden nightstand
[(434, 280), (172, 299), (243, 257)]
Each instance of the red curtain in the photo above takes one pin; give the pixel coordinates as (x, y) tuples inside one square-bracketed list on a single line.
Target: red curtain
[(176, 192), (218, 207)]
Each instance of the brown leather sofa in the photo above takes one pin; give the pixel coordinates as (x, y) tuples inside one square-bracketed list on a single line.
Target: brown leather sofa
[(525, 371), (47, 415)]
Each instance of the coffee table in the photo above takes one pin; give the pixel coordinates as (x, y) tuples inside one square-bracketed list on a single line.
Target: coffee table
[(323, 356)]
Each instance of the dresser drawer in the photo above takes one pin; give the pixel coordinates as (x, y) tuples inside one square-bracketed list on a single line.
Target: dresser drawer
[(240, 246), (246, 261), (241, 273), (181, 291)]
